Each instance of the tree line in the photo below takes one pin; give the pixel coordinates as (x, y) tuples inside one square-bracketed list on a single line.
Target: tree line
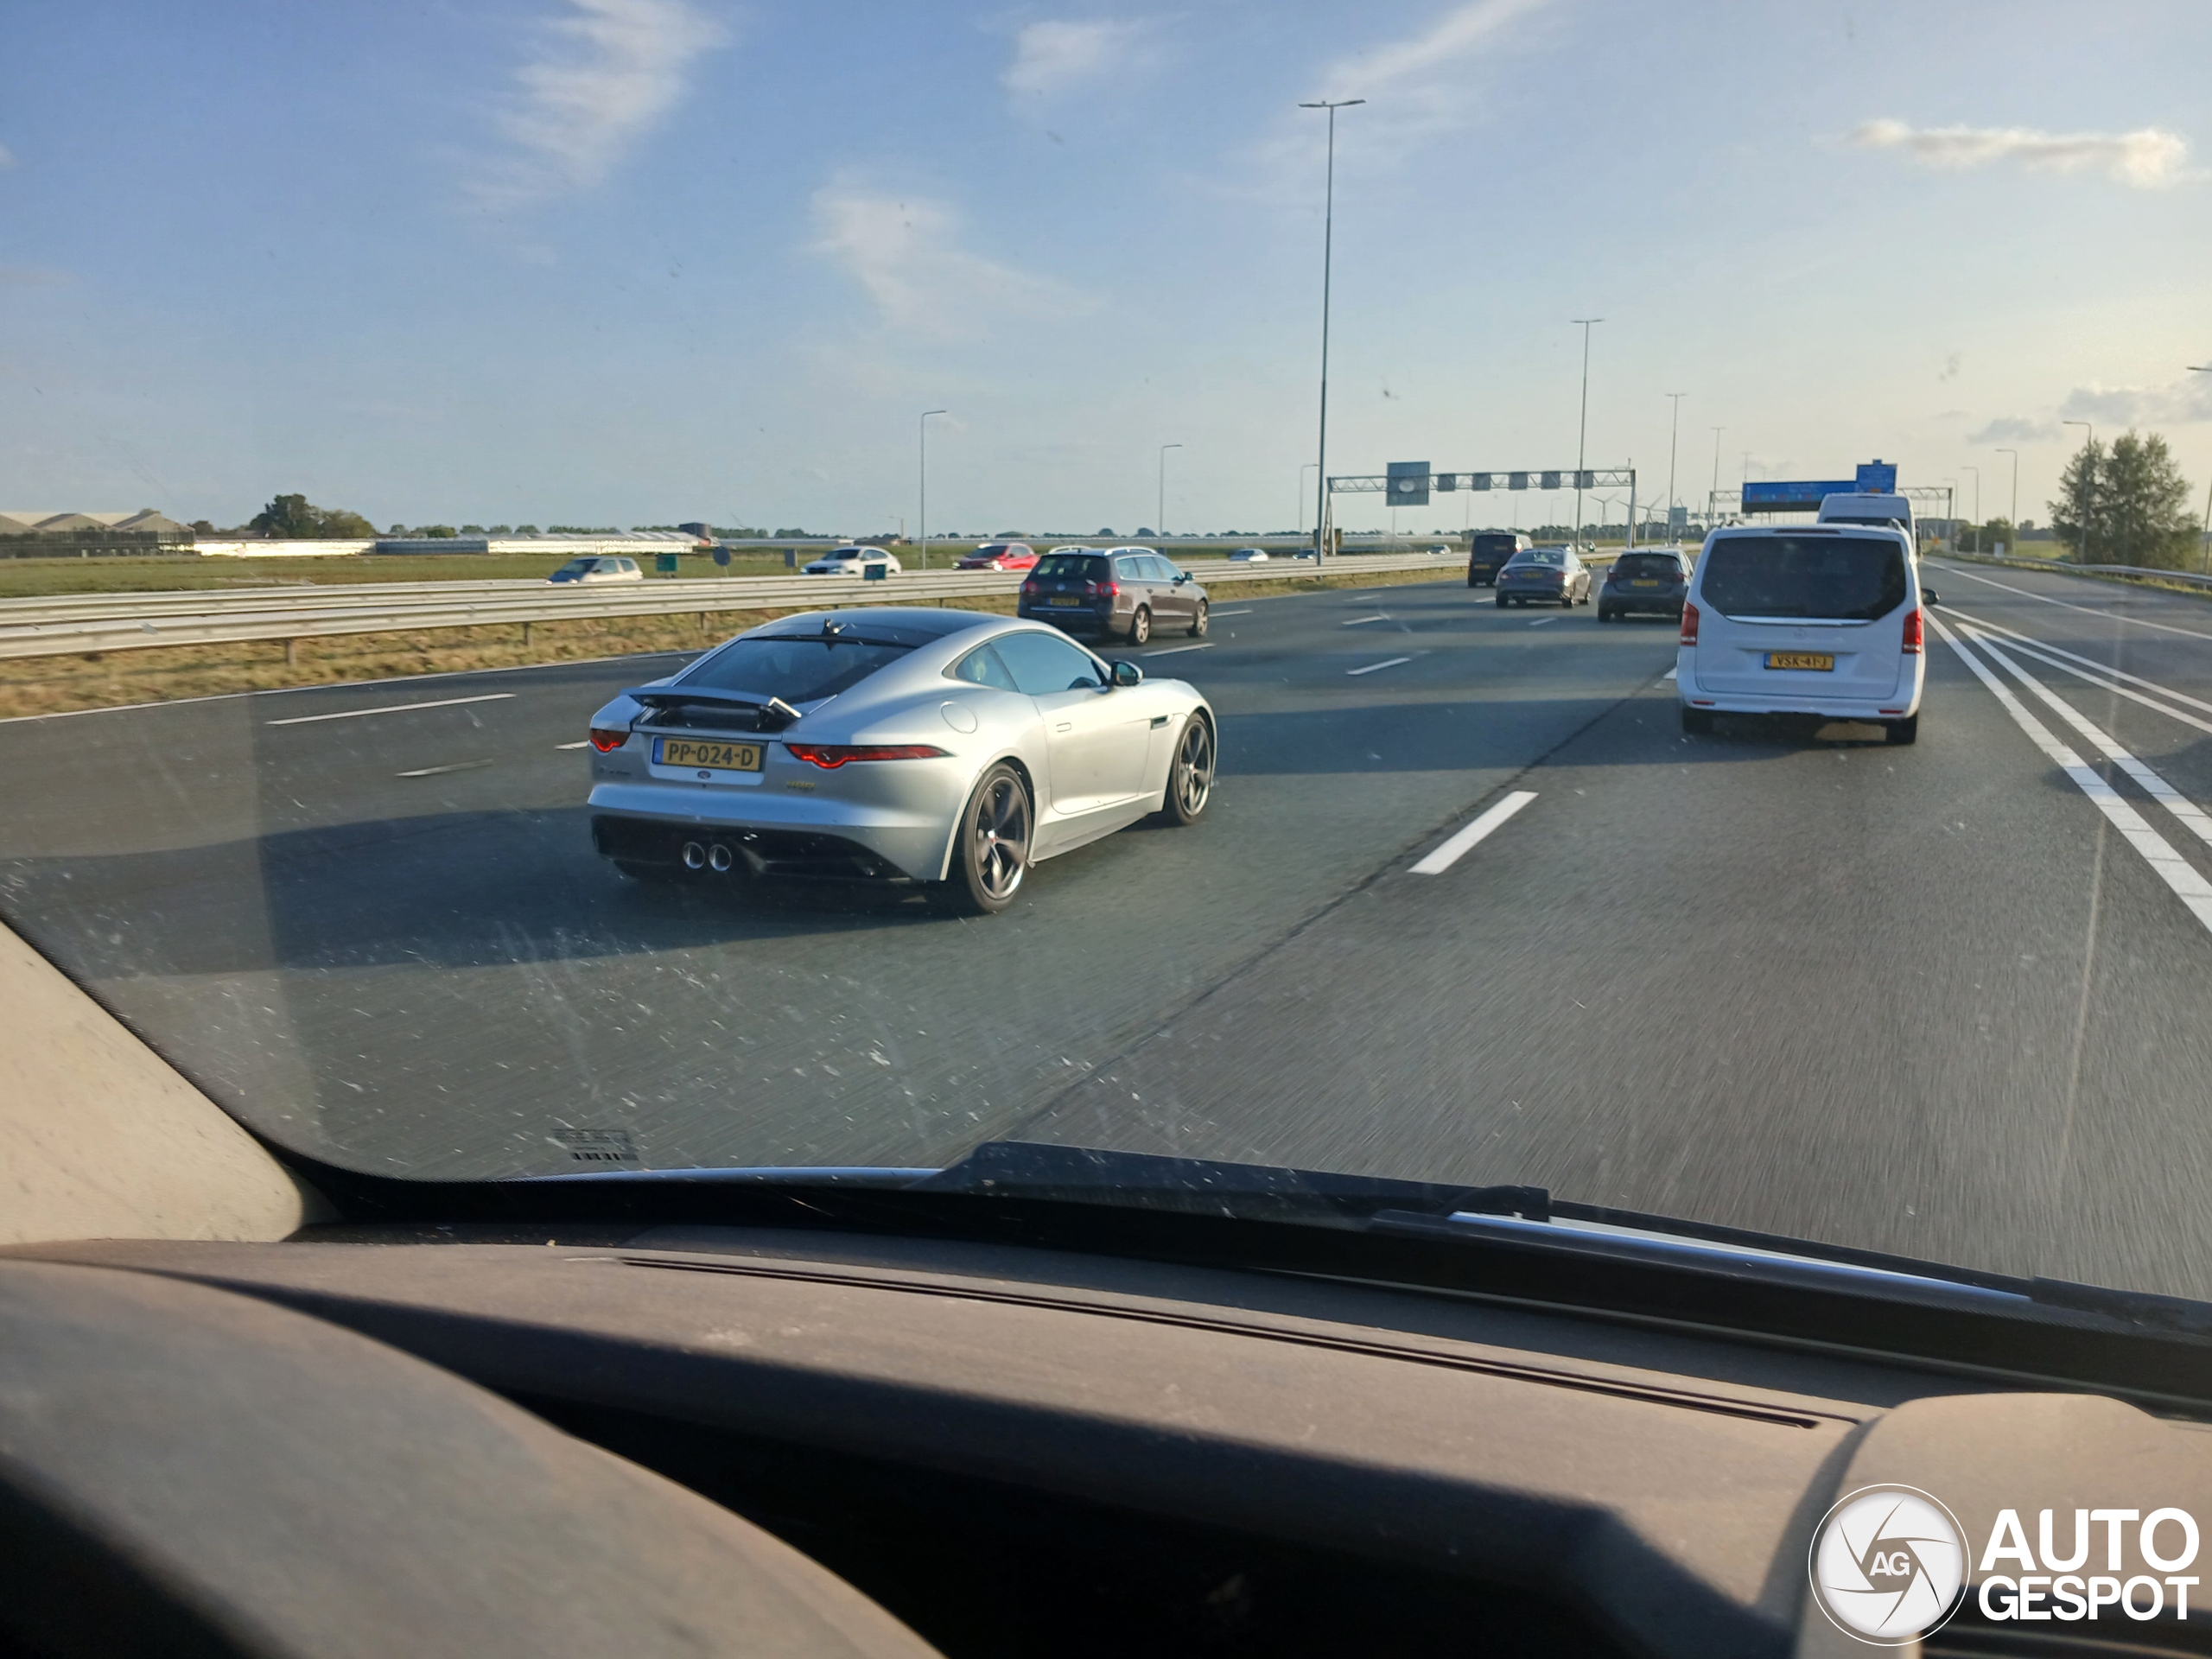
[(2126, 503)]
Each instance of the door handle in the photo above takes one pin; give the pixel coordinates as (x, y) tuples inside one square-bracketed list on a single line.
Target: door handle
[(1064, 726)]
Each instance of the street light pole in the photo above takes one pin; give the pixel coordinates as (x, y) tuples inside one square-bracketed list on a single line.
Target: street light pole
[(1303, 467), (2015, 521), (1951, 511), (1160, 518), (1328, 241), (1713, 501), (2089, 483), (922, 519), (1582, 432), (1674, 444), (2205, 368), (1976, 471)]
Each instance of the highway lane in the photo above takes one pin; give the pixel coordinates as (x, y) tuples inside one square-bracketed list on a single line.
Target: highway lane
[(433, 973), (1933, 1000)]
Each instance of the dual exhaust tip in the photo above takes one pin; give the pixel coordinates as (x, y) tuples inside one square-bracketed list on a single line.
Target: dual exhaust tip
[(717, 858)]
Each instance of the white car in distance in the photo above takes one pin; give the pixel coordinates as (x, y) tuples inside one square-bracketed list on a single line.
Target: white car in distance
[(1249, 555), (596, 570), (853, 561)]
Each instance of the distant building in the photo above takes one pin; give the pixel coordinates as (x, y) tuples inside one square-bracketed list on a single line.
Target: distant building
[(145, 521)]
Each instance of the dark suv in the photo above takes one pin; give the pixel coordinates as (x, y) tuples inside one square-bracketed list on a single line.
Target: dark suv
[(1656, 580), (1487, 553), (1122, 590)]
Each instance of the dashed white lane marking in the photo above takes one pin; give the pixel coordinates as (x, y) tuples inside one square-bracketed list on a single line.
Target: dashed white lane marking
[(1453, 850), (1246, 611), (2153, 785), (1355, 622), (1670, 674), (1391, 662), (2045, 599), (2102, 677), (584, 743), (393, 708), (440, 771), (1170, 651), (2174, 870), (1541, 620)]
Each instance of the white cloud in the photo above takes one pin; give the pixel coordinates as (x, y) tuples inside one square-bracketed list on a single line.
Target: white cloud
[(2013, 428), (2145, 160), (2177, 403), (1051, 57), (1417, 89), (606, 72), (7, 158), (905, 252)]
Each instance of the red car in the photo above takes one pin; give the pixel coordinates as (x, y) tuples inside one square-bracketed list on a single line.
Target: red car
[(998, 555)]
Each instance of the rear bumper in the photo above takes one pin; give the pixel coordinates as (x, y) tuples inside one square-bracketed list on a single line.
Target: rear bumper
[(1075, 621), (780, 853), (1641, 604), (1902, 704), (656, 818)]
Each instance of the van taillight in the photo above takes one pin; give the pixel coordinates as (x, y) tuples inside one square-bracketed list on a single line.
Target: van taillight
[(1689, 625), (1912, 631)]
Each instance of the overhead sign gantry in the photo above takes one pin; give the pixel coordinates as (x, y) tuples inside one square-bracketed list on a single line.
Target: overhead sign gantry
[(1410, 483)]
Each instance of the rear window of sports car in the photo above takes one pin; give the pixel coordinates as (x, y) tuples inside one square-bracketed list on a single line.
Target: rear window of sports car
[(802, 670)]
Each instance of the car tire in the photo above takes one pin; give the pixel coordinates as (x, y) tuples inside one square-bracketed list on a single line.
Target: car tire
[(1501, 601), (1199, 621), (1902, 731), (1140, 626), (990, 846), (1190, 775), (1605, 615), (1696, 722)]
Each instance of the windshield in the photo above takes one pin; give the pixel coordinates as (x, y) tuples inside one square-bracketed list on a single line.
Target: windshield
[(1849, 578), (797, 669), (329, 334)]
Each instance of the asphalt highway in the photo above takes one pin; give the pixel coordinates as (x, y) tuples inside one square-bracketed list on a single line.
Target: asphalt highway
[(1953, 1000)]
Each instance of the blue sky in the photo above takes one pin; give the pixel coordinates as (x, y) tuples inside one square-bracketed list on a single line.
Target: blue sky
[(633, 261)]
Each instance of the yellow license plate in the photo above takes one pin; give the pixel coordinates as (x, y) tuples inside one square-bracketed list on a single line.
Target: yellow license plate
[(1819, 661), (1064, 602), (1633, 583), (706, 755)]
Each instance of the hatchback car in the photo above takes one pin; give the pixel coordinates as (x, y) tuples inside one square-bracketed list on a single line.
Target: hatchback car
[(1651, 581), (1129, 591), (856, 561), (1811, 619), (1488, 552), (597, 570), (1249, 555), (1548, 576), (998, 555)]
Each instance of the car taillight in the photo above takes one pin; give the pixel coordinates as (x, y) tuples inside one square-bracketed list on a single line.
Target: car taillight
[(606, 741), (1031, 589), (1689, 625), (1102, 589), (1912, 631), (831, 756)]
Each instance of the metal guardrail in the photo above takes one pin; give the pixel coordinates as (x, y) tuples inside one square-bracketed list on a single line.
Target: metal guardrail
[(73, 623), (2063, 567)]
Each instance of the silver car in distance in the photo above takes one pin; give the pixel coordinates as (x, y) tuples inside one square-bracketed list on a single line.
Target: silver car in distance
[(949, 749)]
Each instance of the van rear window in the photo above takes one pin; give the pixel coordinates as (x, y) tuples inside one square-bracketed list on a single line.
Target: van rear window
[(1837, 578), (1496, 547)]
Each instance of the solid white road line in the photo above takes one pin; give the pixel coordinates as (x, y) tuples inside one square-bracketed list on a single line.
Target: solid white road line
[(2173, 869), (2101, 675), (1453, 850), (1169, 651), (2153, 785), (583, 744), (1388, 663), (2045, 599), (393, 708), (440, 771)]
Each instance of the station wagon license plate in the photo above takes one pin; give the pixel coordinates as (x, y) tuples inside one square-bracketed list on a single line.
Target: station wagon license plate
[(709, 756), (1819, 661), (1069, 603), (1633, 583)]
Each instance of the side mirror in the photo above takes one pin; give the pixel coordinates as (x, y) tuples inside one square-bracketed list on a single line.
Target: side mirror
[(1182, 576), (1126, 674), (1931, 598)]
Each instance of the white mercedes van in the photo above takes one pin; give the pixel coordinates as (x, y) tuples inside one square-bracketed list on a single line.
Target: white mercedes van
[(1869, 507), (1820, 619)]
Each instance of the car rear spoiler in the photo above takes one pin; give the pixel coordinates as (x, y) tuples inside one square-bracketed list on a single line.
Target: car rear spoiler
[(771, 715)]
